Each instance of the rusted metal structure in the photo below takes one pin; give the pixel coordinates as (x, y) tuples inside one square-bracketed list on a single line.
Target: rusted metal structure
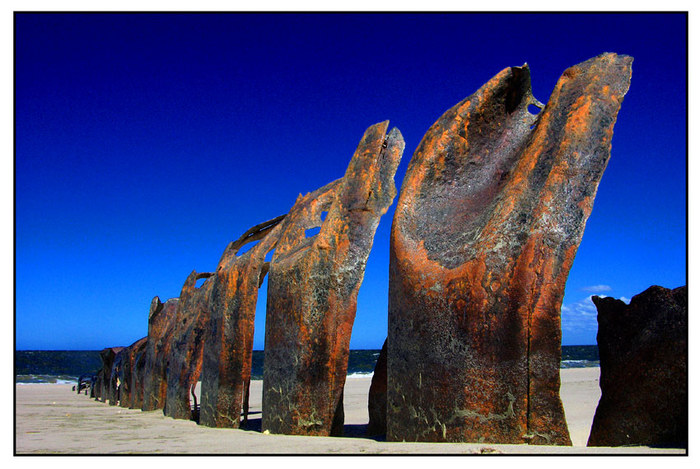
[(228, 344), (643, 349), (161, 324), (313, 286), (131, 376), (491, 212), (184, 360), (490, 215)]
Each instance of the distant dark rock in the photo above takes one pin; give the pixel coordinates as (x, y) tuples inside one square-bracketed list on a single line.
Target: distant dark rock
[(643, 370), (377, 397)]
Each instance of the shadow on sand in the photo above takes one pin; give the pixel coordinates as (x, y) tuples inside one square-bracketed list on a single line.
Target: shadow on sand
[(349, 431)]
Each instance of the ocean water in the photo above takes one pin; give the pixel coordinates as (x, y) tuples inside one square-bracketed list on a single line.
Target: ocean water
[(55, 366), (66, 366)]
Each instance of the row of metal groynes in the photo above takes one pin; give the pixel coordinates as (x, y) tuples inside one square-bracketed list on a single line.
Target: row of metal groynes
[(491, 211), (654, 325)]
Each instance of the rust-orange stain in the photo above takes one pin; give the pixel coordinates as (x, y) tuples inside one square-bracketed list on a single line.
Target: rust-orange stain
[(313, 286), (228, 345)]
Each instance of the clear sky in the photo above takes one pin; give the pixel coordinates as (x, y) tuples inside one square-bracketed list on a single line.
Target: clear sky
[(145, 143)]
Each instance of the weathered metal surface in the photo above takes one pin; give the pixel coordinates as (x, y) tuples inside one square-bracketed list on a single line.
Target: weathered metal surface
[(490, 215), (115, 377), (97, 389), (105, 388), (184, 358), (161, 326), (228, 345), (86, 381), (643, 370), (131, 386), (376, 401), (313, 286), (137, 375)]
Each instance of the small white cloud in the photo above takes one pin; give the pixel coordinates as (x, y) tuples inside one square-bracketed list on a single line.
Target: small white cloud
[(597, 288), (579, 317), (625, 299)]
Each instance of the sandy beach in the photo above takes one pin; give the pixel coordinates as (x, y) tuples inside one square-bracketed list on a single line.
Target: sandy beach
[(50, 418)]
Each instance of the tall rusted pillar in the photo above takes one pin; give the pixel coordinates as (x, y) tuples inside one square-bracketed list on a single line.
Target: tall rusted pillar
[(313, 286), (185, 355), (106, 390), (161, 325), (228, 342), (131, 387), (491, 212)]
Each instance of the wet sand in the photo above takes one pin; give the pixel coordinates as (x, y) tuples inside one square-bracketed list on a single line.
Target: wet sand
[(50, 418)]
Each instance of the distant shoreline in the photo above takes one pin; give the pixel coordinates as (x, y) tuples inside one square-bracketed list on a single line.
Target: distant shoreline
[(254, 350), (68, 365)]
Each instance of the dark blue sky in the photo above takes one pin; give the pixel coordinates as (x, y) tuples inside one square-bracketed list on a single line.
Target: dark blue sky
[(145, 143)]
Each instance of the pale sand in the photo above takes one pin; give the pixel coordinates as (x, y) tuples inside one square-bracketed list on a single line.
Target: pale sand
[(50, 418)]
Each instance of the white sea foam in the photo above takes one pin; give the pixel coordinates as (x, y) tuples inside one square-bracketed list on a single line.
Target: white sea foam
[(579, 363), (361, 375), (45, 379), (59, 381)]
